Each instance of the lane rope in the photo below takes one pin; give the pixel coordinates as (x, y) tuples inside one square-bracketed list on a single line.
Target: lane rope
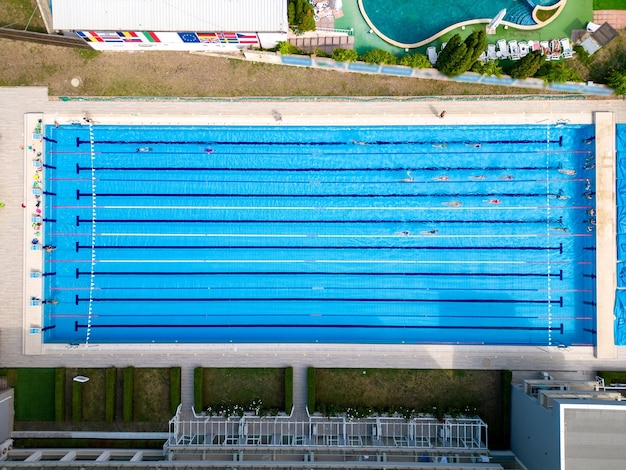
[(93, 234)]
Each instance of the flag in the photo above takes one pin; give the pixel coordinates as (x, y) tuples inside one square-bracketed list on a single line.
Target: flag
[(189, 37), (108, 36), (150, 36), (129, 36), (208, 37), (247, 38)]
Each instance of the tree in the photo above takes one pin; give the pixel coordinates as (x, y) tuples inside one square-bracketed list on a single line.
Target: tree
[(300, 16), (476, 44), (452, 58), (344, 55), (617, 81), (527, 66), (416, 61), (378, 56), (558, 72)]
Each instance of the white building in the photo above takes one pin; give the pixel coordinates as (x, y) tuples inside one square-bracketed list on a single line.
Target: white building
[(180, 25)]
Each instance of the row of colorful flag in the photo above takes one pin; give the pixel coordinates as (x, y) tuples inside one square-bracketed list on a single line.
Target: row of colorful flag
[(189, 37)]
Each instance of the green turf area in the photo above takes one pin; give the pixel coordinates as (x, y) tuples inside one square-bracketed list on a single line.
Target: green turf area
[(609, 5), (437, 392), (93, 395), (34, 395), (151, 395), (242, 385)]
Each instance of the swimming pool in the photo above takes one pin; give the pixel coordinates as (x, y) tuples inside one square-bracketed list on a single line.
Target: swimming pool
[(620, 301), (411, 22), (463, 235)]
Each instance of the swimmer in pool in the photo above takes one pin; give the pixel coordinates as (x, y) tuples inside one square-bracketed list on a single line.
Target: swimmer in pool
[(567, 172), (473, 144), (589, 166), (404, 233), (478, 177), (430, 232), (452, 203), (441, 145), (492, 201), (441, 178), (560, 229), (144, 149), (209, 151), (408, 179), (591, 212), (588, 194), (506, 177), (588, 185), (558, 195)]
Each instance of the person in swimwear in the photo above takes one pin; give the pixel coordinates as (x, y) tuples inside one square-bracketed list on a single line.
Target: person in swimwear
[(478, 177), (560, 229), (408, 179), (144, 149), (441, 178), (452, 203), (506, 178), (493, 201), (404, 233), (591, 212), (430, 232)]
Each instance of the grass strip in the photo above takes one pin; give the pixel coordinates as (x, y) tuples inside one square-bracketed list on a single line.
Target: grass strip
[(77, 401), (110, 382), (288, 389), (310, 389), (198, 377), (175, 382), (128, 394), (59, 394)]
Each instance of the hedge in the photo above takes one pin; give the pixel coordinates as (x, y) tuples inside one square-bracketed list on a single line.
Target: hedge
[(197, 389), (175, 380), (109, 393), (77, 401), (507, 378), (613, 377), (288, 389), (59, 395), (310, 384), (128, 394)]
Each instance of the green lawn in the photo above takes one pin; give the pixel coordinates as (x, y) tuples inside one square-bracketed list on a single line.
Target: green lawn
[(609, 5), (419, 389), (151, 395), (93, 395), (242, 385), (34, 395)]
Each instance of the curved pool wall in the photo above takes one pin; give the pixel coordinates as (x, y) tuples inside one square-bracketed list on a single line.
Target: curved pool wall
[(411, 23), (433, 234), (620, 302)]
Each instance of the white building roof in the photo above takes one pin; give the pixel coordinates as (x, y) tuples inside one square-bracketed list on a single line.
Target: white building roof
[(170, 15)]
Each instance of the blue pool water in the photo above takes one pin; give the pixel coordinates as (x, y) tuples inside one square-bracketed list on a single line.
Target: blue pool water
[(320, 234), (412, 21), (620, 302)]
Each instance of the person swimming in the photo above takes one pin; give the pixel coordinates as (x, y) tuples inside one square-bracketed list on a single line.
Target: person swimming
[(492, 201), (588, 185), (452, 203), (441, 178), (589, 166), (560, 229), (209, 150), (565, 171), (588, 194), (144, 149), (591, 212), (477, 177), (473, 144), (506, 177), (408, 179), (404, 233), (430, 232), (441, 145), (558, 195)]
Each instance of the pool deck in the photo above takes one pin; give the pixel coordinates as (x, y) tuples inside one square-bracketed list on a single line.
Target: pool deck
[(19, 347)]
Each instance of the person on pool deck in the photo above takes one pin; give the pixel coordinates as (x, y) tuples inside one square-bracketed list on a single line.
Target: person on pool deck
[(452, 203), (430, 232), (49, 248), (408, 179), (144, 149)]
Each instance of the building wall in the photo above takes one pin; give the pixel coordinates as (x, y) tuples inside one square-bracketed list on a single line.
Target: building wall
[(534, 432), (6, 414)]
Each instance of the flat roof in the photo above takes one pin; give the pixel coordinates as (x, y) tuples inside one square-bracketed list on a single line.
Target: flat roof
[(163, 15)]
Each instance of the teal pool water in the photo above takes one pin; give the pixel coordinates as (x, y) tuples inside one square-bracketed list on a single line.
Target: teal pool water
[(413, 21)]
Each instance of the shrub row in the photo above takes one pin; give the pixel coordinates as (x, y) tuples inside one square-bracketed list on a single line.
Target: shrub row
[(310, 384), (198, 386), (175, 381), (288, 389)]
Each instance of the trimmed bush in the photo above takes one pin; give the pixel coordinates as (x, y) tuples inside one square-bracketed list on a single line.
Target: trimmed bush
[(109, 406), (617, 81), (378, 56), (300, 16), (286, 48), (344, 55), (613, 377), (458, 57), (198, 387), (175, 381), (507, 378), (310, 388), (416, 61), (288, 389), (59, 394), (489, 68), (128, 394), (557, 72)]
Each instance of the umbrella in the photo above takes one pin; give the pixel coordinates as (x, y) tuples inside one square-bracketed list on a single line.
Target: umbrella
[(338, 5), (497, 19)]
